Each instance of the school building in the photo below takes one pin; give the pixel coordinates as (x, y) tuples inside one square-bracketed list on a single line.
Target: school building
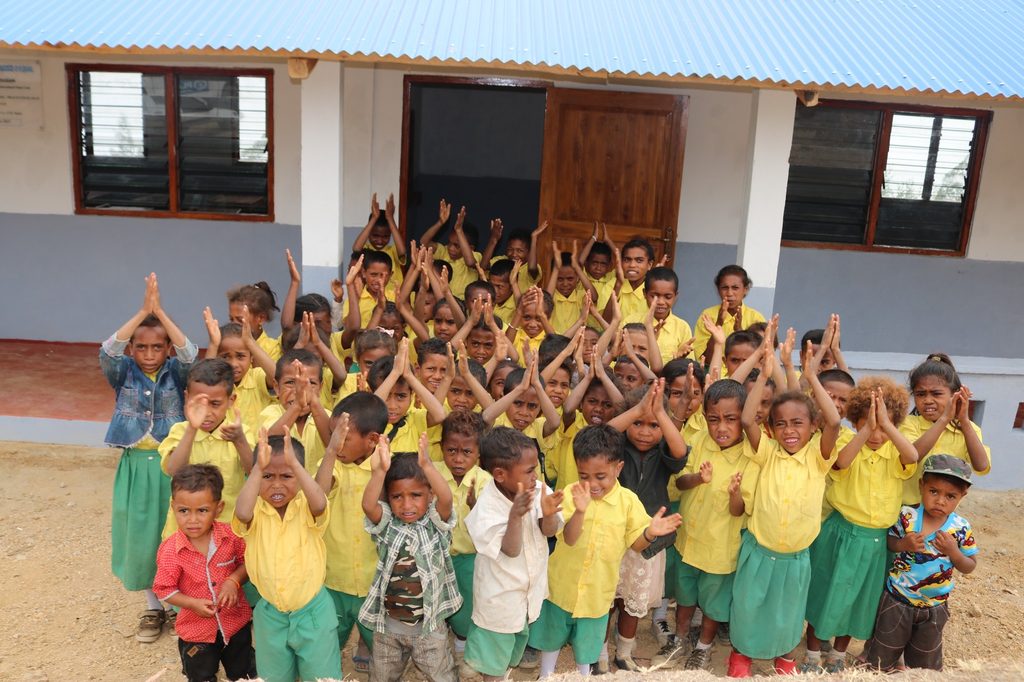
[(864, 158)]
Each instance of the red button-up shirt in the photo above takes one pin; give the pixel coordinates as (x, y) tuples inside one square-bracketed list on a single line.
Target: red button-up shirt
[(181, 568)]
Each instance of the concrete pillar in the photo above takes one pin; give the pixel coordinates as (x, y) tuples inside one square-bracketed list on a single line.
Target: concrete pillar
[(321, 168), (771, 136)]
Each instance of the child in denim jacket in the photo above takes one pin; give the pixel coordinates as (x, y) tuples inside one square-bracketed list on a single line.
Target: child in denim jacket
[(148, 386)]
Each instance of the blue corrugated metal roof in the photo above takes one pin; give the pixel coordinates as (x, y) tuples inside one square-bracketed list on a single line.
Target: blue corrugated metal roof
[(940, 46)]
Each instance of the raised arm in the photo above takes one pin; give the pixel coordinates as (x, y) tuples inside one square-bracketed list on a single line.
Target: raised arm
[(673, 436), (398, 370), (749, 416), (178, 338), (531, 259), (325, 472), (364, 234), (479, 392), (580, 259), (260, 358), (492, 244), (245, 504), (588, 286), (460, 236), (837, 352), (380, 462), (353, 320), (213, 332), (443, 213), (501, 405), (396, 236), (654, 352), (442, 493), (295, 280), (547, 408), (829, 413)]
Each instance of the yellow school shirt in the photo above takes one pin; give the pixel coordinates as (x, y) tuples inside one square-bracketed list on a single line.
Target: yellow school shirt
[(522, 338), (748, 316), (536, 432), (567, 309), (407, 437), (694, 425), (286, 557), (367, 302), (604, 288), (476, 479), (462, 274), (270, 345), (786, 514), (633, 303), (395, 283), (253, 397), (525, 280), (336, 348), (951, 442), (869, 492), (674, 332), (709, 538), (208, 448), (310, 438), (561, 462), (351, 553), (506, 311), (582, 577)]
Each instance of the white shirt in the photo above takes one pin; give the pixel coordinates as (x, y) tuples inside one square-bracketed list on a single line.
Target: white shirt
[(505, 589)]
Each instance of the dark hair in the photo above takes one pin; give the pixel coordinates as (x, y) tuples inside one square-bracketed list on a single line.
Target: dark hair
[(600, 440), (724, 389), (518, 236), (192, 478), (464, 424), (503, 447), (760, 328), (741, 338), (936, 365), (674, 369), (479, 285), (404, 466), (566, 261), (478, 371), (443, 268), (311, 303), (550, 347), (502, 267), (368, 339), (736, 271), (231, 330), (626, 360), (502, 364), (152, 321), (380, 371), (959, 483), (549, 302), (374, 257), (471, 233), (516, 377), (794, 397), (815, 336), (291, 336), (635, 327), (432, 346), (303, 355), (600, 249), (380, 221), (836, 376), (259, 297), (752, 377), (639, 243), (661, 274), (211, 372), (276, 444), (367, 413), (443, 303), (391, 310), (636, 396)]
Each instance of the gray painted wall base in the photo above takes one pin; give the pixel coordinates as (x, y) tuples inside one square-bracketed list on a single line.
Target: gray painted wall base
[(58, 431)]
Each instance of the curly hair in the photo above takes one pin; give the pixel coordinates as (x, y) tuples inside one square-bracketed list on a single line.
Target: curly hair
[(894, 396)]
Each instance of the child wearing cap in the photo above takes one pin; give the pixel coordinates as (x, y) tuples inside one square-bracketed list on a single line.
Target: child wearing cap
[(930, 540)]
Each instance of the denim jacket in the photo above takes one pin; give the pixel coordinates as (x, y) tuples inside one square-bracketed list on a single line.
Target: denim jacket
[(144, 406)]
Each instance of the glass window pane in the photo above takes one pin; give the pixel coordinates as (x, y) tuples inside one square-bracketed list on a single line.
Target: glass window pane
[(222, 144)]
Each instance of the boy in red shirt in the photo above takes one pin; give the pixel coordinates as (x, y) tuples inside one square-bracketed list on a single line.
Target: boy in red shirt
[(200, 569)]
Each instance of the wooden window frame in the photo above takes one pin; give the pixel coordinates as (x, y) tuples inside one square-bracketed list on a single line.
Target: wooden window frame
[(171, 112), (974, 166)]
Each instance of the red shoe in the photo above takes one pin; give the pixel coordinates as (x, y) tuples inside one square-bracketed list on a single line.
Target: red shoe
[(784, 666), (739, 665)]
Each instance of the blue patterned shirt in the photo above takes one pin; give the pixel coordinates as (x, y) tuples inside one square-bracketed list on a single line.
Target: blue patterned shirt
[(925, 579)]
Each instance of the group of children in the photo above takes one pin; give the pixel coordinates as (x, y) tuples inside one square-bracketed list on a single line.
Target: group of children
[(446, 445)]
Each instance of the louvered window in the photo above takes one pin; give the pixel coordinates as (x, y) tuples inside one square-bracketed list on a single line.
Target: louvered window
[(866, 176), (172, 142)]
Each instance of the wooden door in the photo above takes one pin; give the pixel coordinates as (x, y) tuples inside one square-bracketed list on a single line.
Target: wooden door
[(613, 157)]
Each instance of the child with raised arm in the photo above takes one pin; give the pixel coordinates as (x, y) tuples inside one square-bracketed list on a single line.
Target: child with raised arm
[(207, 436), (569, 286), (300, 411), (367, 281), (282, 513), (930, 540), (149, 386), (381, 234), (596, 260), (234, 344), (941, 422), (661, 288), (733, 284), (513, 517), (633, 263), (654, 450), (520, 248), (460, 252), (414, 589), (343, 474), (769, 596), (531, 322), (201, 569), (605, 520), (256, 304), (395, 382), (848, 558)]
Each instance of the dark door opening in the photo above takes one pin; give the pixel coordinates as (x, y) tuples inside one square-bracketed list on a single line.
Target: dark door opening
[(474, 144)]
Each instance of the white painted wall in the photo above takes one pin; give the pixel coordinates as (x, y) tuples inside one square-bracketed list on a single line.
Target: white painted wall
[(999, 213), (35, 176)]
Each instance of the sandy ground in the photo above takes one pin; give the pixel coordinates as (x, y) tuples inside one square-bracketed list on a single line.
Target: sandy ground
[(65, 617)]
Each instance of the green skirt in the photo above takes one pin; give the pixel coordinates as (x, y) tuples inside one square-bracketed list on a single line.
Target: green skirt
[(769, 598), (672, 562), (848, 565), (142, 493), (461, 621)]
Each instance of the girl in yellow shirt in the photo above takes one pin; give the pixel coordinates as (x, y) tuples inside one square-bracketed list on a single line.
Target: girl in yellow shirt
[(733, 284), (848, 558), (941, 422), (261, 304)]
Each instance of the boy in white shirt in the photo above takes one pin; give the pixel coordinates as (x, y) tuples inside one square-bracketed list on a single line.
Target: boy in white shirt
[(509, 526)]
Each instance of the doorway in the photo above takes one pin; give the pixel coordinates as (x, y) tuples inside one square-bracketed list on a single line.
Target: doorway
[(473, 142)]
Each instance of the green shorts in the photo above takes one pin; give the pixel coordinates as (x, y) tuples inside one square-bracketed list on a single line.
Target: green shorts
[(493, 653), (298, 643), (711, 591), (672, 561), (555, 627), (461, 621), (347, 607)]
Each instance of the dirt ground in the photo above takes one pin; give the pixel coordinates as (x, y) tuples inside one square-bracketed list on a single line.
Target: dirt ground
[(65, 617)]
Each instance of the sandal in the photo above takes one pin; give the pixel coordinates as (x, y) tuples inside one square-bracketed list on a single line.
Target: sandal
[(151, 623)]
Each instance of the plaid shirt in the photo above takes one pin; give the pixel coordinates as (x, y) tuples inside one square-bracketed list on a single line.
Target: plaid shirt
[(428, 540)]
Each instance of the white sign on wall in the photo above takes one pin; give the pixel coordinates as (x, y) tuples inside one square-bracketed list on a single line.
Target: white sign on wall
[(21, 94)]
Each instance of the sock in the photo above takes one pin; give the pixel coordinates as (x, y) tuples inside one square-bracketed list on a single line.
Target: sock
[(624, 647), (813, 657), (583, 669), (702, 646), (548, 661), (460, 645), (661, 613), (604, 653), (698, 617), (836, 655), (152, 602)]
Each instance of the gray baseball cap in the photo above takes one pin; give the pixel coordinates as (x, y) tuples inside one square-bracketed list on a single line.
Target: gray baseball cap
[(948, 465)]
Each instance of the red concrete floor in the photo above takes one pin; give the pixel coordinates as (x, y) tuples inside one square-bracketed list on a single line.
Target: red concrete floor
[(54, 381)]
